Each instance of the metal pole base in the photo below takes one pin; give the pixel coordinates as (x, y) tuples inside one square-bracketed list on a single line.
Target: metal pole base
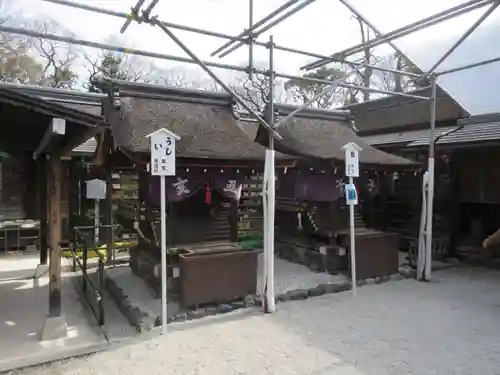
[(41, 270), (54, 328)]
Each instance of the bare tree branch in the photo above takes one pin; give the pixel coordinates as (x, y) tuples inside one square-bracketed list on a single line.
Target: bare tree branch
[(58, 58)]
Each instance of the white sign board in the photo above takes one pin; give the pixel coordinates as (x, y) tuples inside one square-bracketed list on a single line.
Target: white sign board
[(351, 159), (59, 126), (163, 152), (96, 189)]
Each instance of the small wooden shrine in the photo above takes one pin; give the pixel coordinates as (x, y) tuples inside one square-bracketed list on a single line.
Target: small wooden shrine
[(214, 158), (310, 199), (39, 133), (466, 182)]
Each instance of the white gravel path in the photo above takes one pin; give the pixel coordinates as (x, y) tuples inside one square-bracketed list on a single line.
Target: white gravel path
[(293, 276), (288, 276), (450, 326)]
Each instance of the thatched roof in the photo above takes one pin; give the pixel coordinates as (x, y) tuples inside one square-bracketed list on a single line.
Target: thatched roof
[(320, 134), (90, 103), (396, 113), (249, 125), (205, 122)]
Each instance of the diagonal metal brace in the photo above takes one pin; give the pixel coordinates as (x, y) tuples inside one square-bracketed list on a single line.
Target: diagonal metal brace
[(146, 15), (166, 30)]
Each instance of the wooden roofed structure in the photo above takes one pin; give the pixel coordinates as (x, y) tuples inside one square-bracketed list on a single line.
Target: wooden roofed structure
[(37, 129), (310, 197), (77, 165), (466, 187), (318, 135), (396, 114), (214, 158)]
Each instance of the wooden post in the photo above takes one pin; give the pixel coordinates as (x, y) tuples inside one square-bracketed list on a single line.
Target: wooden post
[(54, 198), (455, 205), (42, 212), (73, 194), (108, 216)]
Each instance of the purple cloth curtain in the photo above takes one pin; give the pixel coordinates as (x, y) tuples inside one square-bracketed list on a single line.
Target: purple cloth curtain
[(325, 187), (228, 184), (178, 188), (369, 184)]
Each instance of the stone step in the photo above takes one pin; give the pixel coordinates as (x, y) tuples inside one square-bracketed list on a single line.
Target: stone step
[(226, 229), (216, 236)]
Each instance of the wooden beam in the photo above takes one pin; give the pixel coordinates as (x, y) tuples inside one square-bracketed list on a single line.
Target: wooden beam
[(75, 137), (57, 127), (54, 199), (42, 213)]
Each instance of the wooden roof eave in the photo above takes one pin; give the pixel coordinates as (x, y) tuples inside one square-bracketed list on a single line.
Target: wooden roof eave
[(48, 108)]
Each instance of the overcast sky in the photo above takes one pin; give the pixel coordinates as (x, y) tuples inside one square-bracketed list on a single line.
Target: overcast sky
[(324, 27)]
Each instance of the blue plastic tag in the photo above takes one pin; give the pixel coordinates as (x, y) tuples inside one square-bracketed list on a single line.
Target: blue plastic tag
[(351, 195)]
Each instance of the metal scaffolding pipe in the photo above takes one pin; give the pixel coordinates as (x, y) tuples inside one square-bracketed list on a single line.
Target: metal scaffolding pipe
[(269, 304), (350, 63), (252, 27), (462, 38), (132, 51), (128, 16), (250, 40), (219, 35), (347, 86), (270, 25), (134, 15), (375, 29), (212, 75), (469, 66), (430, 187), (149, 9), (109, 47), (381, 38), (403, 31)]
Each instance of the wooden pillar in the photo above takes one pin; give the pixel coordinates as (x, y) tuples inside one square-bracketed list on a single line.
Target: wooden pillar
[(108, 216), (454, 208), (143, 208), (43, 212), (54, 198), (73, 194)]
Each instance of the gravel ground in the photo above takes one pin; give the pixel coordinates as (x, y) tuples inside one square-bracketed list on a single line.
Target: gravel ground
[(292, 276), (450, 326), (288, 276)]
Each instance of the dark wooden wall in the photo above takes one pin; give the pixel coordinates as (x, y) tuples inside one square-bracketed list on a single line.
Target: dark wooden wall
[(479, 175)]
